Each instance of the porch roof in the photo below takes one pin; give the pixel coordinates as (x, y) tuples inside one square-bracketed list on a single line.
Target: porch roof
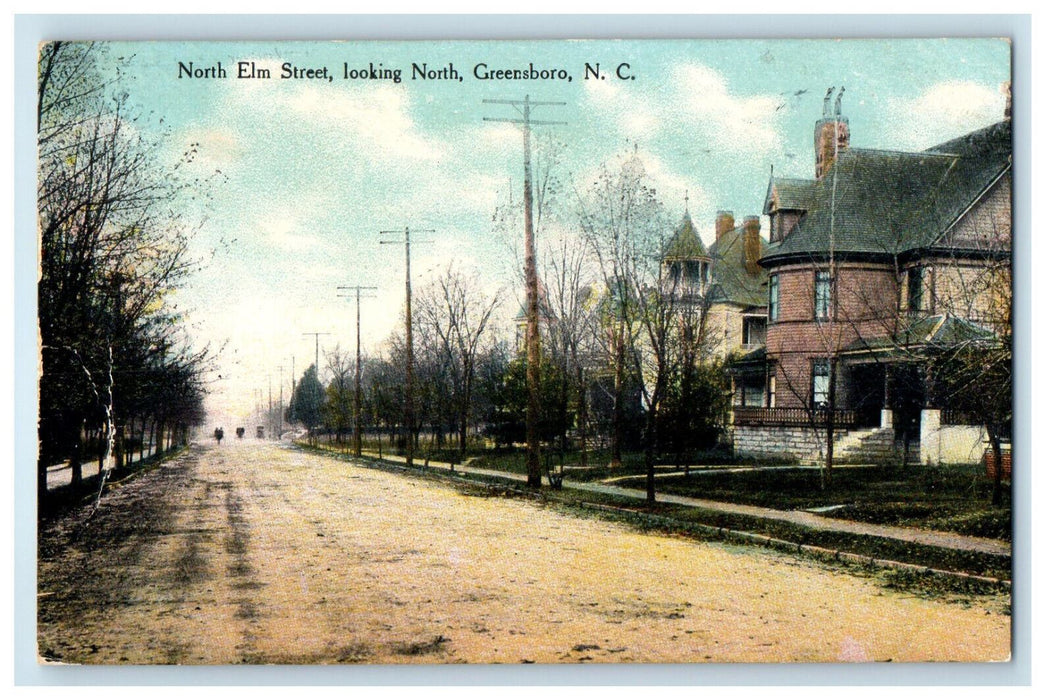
[(941, 331)]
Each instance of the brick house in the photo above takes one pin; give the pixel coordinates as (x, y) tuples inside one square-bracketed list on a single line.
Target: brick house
[(879, 256)]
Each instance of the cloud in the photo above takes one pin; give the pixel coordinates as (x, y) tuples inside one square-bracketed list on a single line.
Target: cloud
[(280, 229), (698, 101), (944, 111), (377, 117), (731, 122)]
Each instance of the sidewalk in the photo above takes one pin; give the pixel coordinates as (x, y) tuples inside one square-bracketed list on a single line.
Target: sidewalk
[(932, 538)]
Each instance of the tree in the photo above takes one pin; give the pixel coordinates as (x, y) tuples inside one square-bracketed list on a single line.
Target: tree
[(622, 220), (114, 243), (458, 315), (308, 399), (338, 409), (571, 305)]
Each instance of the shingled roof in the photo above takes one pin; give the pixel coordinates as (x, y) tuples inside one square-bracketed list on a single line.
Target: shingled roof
[(943, 330), (685, 244), (730, 277), (789, 193), (887, 202)]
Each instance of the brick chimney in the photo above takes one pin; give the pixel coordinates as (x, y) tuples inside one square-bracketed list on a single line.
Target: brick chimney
[(751, 243), (831, 129), (725, 222)]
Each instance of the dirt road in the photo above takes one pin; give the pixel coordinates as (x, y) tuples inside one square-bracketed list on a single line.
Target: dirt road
[(253, 553)]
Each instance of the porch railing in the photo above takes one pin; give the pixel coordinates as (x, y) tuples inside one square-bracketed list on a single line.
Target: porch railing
[(794, 417), (953, 417)]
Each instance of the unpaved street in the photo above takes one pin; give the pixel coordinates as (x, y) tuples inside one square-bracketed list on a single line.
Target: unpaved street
[(254, 553)]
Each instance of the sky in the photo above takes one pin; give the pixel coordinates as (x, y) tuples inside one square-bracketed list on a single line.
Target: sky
[(306, 173)]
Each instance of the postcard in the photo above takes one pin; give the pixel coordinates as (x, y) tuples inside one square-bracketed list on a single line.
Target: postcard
[(525, 352)]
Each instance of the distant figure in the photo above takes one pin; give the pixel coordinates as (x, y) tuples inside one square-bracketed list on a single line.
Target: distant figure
[(240, 433), (219, 435)]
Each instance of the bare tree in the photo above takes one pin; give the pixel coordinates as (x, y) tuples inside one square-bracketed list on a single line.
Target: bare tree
[(459, 314), (114, 242), (621, 219)]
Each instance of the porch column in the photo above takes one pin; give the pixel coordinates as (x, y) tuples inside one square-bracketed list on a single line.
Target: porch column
[(886, 406), (929, 427)]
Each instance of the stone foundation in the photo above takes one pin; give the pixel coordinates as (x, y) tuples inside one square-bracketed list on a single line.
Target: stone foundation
[(872, 445), (780, 442)]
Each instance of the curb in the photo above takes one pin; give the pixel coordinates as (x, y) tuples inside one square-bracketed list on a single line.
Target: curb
[(723, 533)]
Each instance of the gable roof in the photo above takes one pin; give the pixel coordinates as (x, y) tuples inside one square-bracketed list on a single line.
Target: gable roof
[(882, 203), (788, 193)]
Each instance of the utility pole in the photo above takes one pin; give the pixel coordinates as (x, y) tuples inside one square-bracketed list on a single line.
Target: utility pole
[(409, 418), (270, 406), (533, 336), (281, 401), (317, 367), (292, 390), (358, 363)]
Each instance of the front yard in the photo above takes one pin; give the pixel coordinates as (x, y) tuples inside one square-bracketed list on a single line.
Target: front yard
[(955, 498)]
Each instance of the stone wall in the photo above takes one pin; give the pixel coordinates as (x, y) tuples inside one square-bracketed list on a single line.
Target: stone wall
[(873, 446), (775, 442), (950, 444)]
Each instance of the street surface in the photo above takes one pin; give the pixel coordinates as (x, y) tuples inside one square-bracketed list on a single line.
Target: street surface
[(251, 552)]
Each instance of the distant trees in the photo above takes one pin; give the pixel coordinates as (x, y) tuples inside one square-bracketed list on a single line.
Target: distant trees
[(623, 361), (310, 396), (114, 244)]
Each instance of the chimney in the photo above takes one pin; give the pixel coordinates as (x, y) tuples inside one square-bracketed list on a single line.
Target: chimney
[(725, 222), (832, 126), (751, 243)]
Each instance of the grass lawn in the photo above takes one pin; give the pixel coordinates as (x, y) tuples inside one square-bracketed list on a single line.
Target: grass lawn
[(955, 498)]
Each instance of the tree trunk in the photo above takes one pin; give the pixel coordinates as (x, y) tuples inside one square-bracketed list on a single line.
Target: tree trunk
[(996, 454), (76, 473), (649, 441), (582, 422), (619, 389)]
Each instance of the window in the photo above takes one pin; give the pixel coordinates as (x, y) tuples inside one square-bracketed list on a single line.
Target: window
[(917, 286), (753, 328), (820, 383), (773, 298), (822, 295)]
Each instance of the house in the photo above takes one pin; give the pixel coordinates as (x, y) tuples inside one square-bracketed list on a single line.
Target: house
[(726, 277), (875, 261)]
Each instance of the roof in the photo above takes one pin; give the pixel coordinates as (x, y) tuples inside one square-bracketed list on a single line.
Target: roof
[(686, 244), (884, 203), (788, 193), (938, 331), (731, 280)]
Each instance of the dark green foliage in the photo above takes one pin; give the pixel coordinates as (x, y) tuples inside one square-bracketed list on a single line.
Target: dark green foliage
[(694, 415), (507, 422), (308, 399)]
